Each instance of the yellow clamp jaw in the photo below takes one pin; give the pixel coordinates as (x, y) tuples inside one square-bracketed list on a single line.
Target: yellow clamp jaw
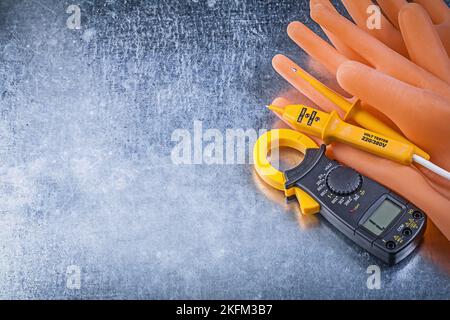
[(283, 138)]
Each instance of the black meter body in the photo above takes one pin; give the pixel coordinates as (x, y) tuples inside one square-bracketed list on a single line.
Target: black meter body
[(374, 217)]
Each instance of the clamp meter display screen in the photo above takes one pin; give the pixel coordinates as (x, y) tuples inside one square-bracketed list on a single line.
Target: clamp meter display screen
[(382, 217)]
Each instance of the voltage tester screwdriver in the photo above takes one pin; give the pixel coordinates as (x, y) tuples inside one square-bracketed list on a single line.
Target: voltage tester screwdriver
[(329, 127), (353, 110)]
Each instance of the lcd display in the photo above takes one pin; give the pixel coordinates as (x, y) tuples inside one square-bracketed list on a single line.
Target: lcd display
[(382, 217)]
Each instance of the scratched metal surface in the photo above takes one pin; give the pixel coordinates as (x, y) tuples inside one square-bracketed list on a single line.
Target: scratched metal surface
[(86, 176)]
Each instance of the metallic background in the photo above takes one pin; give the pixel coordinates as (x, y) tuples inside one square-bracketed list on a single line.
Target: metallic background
[(86, 176)]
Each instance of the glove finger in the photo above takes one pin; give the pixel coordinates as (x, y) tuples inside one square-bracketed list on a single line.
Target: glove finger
[(385, 32), (444, 33), (440, 15), (417, 29), (368, 47), (315, 46), (284, 66), (437, 9), (378, 54), (337, 43), (391, 9)]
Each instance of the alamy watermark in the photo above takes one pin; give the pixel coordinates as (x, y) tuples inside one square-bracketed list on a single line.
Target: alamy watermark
[(73, 280), (374, 280), (212, 146), (374, 19), (73, 22)]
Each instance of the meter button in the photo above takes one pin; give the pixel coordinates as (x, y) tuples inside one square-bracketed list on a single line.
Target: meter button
[(343, 180)]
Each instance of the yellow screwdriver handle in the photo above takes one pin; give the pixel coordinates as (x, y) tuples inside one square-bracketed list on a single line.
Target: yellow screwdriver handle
[(355, 112), (370, 122), (329, 127)]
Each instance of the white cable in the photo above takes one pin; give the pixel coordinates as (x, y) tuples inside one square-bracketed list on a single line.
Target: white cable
[(431, 166)]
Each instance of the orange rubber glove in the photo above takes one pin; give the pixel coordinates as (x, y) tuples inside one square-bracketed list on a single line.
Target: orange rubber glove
[(385, 59), (414, 94), (389, 33), (372, 50)]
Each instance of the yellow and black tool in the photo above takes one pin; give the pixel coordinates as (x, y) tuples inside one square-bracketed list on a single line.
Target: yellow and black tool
[(329, 127), (374, 217), (353, 111), (275, 178)]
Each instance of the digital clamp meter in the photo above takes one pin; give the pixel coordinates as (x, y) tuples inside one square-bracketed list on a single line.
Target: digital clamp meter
[(377, 219)]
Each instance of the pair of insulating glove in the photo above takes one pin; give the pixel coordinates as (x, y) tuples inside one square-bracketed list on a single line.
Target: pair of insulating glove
[(400, 72)]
